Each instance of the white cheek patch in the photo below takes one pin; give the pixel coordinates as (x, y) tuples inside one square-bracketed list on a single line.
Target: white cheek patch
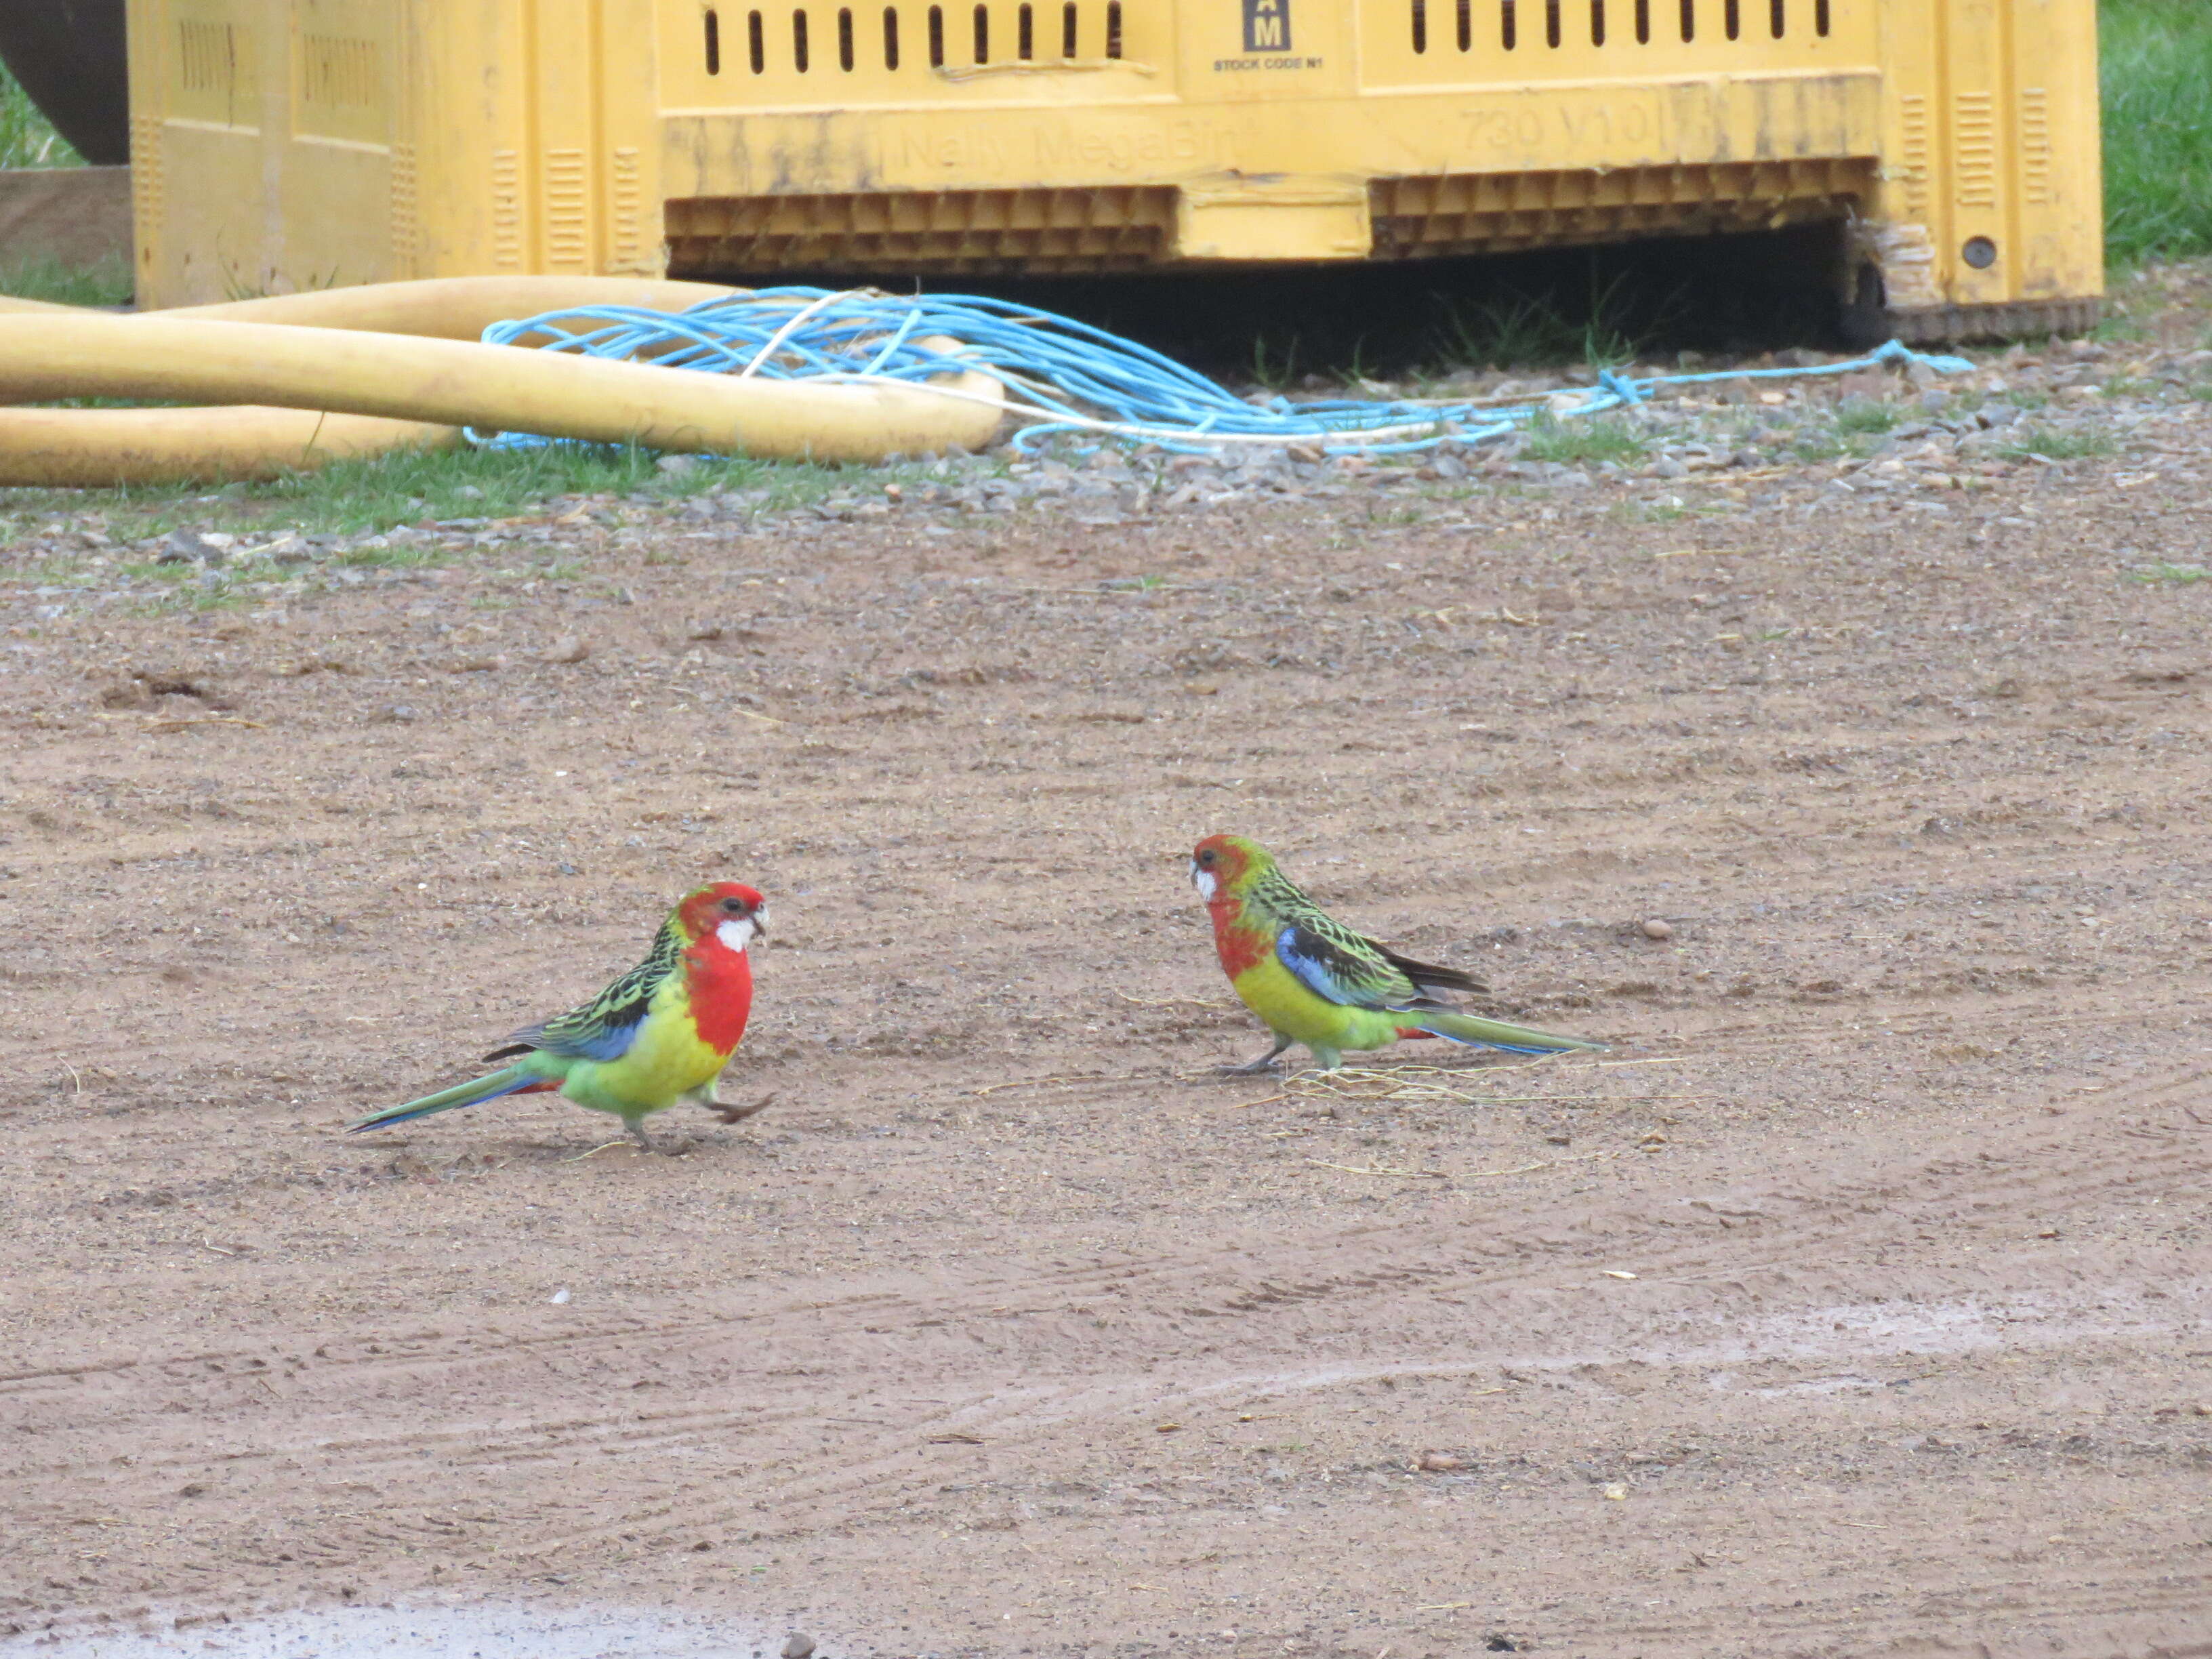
[(1207, 881), (736, 933)]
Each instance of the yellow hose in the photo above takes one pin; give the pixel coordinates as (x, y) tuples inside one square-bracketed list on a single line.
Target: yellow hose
[(450, 308), (101, 449), (443, 308), (455, 383)]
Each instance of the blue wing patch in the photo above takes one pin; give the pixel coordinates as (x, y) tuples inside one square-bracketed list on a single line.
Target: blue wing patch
[(600, 1042), (1324, 969), (608, 1043), (1361, 977)]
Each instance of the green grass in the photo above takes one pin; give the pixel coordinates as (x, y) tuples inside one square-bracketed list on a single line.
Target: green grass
[(1276, 375), (1646, 512), (1527, 332), (1814, 445), (2054, 444), (364, 497), (1596, 440), (27, 139), (2130, 386), (358, 497), (2176, 575), (107, 284), (2156, 69), (1857, 417)]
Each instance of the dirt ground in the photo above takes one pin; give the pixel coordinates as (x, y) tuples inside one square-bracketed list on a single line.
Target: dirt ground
[(1855, 1303)]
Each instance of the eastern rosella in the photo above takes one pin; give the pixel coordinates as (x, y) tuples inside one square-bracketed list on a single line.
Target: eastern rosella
[(659, 1033), (1312, 980)]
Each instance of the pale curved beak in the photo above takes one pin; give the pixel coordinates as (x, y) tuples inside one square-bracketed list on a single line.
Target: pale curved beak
[(760, 924)]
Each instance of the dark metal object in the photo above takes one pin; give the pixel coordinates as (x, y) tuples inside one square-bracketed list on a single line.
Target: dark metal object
[(69, 56)]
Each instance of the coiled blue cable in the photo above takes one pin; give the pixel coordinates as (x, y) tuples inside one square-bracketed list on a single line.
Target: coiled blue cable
[(1067, 375)]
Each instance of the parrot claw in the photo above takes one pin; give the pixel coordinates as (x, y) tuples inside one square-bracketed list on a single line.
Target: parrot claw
[(739, 1114)]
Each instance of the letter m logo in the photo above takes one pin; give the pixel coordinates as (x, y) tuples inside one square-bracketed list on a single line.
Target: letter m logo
[(1266, 25)]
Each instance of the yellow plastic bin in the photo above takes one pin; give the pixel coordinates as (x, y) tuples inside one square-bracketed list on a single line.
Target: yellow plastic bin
[(288, 144)]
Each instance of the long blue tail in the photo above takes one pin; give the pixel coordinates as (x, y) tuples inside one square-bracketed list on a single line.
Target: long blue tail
[(509, 1080), (1478, 1032)]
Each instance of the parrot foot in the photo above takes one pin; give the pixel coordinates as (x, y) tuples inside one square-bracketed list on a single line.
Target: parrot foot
[(1254, 1068), (739, 1114), (637, 1133), (1250, 1069)]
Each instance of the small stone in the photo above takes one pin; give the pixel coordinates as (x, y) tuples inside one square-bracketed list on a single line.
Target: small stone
[(676, 466), (559, 1298), (288, 549), (798, 1646), (400, 713), (1655, 928), (1616, 1493), (1440, 1462), (189, 547), (566, 649)]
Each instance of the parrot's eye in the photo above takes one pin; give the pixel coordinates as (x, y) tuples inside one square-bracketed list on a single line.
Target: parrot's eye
[(736, 907), (1206, 857)]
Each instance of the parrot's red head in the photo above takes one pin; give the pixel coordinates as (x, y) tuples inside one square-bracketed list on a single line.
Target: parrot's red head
[(1221, 866), (732, 912)]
